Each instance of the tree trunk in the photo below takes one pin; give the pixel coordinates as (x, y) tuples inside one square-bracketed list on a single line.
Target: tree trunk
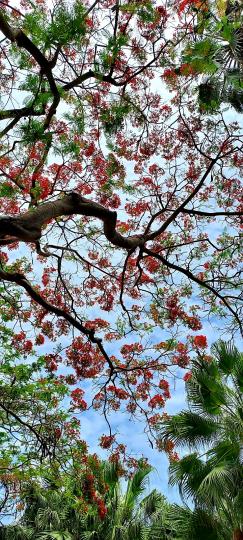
[(237, 534)]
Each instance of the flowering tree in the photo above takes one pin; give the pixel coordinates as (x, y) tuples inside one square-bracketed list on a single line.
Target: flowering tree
[(120, 201), (39, 438)]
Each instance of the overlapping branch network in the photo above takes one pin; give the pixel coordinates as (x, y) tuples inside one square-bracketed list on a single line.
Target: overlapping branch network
[(142, 161)]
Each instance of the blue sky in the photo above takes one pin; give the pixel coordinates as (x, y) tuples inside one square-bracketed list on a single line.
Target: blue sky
[(131, 432)]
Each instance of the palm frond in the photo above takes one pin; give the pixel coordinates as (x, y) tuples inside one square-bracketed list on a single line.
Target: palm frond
[(151, 504), (219, 480), (47, 516), (238, 374), (89, 535), (54, 535), (237, 504), (196, 525), (227, 452), (17, 532), (205, 391), (135, 488), (188, 474), (190, 429), (111, 473), (226, 355)]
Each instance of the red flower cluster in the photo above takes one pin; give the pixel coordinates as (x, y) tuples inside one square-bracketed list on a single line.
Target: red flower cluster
[(182, 359), (39, 339), (199, 4), (200, 342), (169, 74), (28, 346), (118, 392), (46, 275), (156, 401), (77, 398), (92, 496), (193, 322), (84, 358), (102, 510), (164, 385), (51, 361), (106, 441), (128, 349)]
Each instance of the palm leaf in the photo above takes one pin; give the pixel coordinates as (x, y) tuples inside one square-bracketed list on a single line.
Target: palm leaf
[(196, 525), (188, 474), (135, 488), (151, 504), (205, 391), (226, 355), (190, 429), (219, 480), (111, 472), (16, 532), (55, 535), (227, 452)]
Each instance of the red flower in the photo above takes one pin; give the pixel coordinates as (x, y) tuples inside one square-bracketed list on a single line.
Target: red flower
[(106, 441), (45, 279), (119, 392), (169, 73), (78, 401), (156, 401), (200, 341), (187, 376), (58, 433), (28, 346), (89, 150), (164, 385), (52, 366), (40, 339), (77, 394)]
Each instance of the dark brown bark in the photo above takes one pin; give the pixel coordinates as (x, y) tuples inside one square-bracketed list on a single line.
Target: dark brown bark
[(19, 37), (237, 535), (27, 227)]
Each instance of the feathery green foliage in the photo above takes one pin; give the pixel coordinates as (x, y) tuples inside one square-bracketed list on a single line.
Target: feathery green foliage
[(213, 475)]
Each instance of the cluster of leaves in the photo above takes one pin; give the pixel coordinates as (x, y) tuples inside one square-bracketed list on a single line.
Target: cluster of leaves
[(216, 52), (39, 436), (213, 428), (54, 511), (56, 507), (66, 26)]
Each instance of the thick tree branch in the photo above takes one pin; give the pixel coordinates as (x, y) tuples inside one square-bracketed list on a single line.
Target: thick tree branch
[(9, 126), (24, 111), (19, 37), (225, 213), (88, 75), (27, 227)]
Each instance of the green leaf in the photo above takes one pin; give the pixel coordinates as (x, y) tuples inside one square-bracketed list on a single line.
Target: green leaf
[(7, 190)]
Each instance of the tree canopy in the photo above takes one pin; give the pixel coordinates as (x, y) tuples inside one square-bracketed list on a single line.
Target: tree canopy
[(120, 165)]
